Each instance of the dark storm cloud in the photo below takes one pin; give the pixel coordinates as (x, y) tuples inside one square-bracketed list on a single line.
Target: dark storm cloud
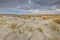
[(30, 4), (46, 2)]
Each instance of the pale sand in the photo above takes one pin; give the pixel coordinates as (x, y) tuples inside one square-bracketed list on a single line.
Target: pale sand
[(29, 27)]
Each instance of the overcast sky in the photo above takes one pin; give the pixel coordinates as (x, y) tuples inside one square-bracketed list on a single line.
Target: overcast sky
[(22, 5)]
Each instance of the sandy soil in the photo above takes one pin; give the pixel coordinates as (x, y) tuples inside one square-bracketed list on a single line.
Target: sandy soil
[(29, 27)]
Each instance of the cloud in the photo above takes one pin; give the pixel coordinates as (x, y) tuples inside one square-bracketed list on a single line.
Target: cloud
[(31, 3), (19, 6)]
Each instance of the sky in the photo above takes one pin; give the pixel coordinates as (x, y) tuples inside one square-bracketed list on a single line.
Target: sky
[(29, 6)]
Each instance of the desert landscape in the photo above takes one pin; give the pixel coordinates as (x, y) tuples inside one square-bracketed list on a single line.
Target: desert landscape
[(29, 26)]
